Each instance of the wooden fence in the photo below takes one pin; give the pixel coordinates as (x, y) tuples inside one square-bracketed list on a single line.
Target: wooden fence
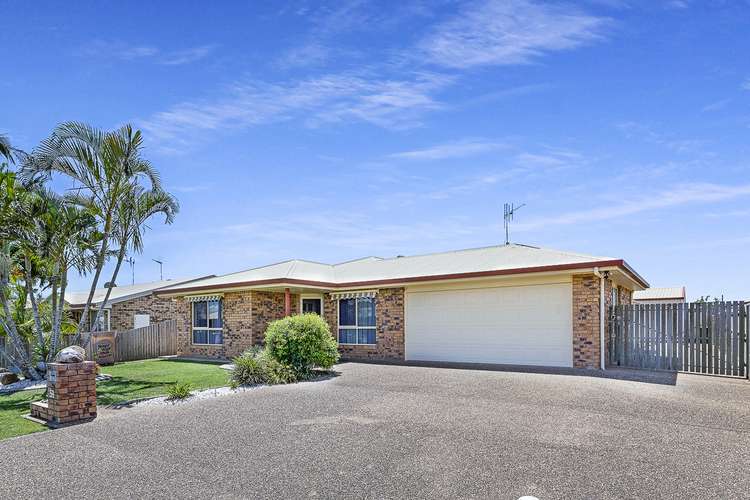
[(158, 339), (705, 337)]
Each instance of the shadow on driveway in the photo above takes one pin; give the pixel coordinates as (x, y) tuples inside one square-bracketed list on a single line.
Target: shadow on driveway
[(632, 375)]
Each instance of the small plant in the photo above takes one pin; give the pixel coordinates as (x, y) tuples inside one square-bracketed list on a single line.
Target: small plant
[(257, 366), (178, 391), (303, 342)]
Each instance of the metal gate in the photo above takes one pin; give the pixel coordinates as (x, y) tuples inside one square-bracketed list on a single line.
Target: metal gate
[(701, 337)]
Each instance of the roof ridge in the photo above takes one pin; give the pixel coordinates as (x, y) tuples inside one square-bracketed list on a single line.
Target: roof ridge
[(357, 260), (255, 268), (291, 268)]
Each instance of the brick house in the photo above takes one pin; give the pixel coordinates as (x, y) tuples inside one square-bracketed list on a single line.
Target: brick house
[(128, 307), (511, 304)]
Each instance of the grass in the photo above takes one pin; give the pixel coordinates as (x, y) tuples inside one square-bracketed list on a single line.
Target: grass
[(143, 379), (12, 409), (130, 380)]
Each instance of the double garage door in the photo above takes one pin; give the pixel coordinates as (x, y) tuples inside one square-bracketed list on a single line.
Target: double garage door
[(524, 325)]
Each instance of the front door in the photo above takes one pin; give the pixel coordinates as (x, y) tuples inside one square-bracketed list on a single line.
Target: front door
[(312, 306)]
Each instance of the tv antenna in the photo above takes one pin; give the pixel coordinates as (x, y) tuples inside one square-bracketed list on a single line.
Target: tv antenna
[(161, 269), (131, 261), (508, 211)]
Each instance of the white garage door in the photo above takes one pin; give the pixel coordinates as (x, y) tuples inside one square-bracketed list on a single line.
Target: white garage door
[(525, 325)]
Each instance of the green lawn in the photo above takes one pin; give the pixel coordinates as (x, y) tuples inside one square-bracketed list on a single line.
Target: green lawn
[(130, 380)]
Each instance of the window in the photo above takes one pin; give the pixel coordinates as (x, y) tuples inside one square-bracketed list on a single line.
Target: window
[(207, 322), (311, 306), (357, 320)]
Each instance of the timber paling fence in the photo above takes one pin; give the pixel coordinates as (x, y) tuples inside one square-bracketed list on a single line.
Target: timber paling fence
[(700, 337), (158, 339)]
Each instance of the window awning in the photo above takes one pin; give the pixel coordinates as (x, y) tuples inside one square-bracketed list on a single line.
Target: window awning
[(203, 298), (354, 294)]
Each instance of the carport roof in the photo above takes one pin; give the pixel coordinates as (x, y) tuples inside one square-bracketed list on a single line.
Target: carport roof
[(371, 271), (77, 299), (663, 293)]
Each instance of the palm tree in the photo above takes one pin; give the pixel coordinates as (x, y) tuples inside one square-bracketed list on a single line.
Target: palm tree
[(5, 149), (103, 166), (15, 227), (70, 241), (130, 223)]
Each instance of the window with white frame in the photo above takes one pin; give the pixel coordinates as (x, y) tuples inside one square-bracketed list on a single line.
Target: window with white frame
[(207, 322), (357, 320)]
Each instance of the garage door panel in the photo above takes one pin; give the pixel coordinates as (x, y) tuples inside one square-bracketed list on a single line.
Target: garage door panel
[(515, 325)]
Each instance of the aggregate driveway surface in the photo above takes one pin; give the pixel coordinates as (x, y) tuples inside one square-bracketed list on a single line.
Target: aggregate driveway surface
[(379, 431)]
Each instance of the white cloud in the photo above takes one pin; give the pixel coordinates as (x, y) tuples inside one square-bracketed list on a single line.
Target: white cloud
[(648, 134), (186, 56), (680, 195), (502, 32), (118, 50), (331, 98), (716, 106), (343, 229), (129, 52), (459, 149), (310, 54), (746, 84), (678, 4)]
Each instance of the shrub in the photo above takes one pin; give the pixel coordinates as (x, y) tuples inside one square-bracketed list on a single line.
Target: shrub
[(302, 342), (256, 366), (179, 390)]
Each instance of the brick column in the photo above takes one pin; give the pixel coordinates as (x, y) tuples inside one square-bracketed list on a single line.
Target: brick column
[(586, 321), (71, 394)]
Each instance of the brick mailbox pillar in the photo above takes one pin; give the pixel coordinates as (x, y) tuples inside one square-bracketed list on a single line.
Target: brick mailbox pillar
[(71, 394)]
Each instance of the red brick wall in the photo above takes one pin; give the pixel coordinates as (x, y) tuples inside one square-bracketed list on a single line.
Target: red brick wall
[(159, 308), (267, 307), (246, 316), (586, 321), (71, 394), (389, 322)]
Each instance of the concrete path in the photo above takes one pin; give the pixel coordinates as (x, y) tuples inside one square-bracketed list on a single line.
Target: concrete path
[(379, 431)]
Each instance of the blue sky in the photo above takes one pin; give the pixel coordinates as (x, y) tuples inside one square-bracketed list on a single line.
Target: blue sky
[(330, 131)]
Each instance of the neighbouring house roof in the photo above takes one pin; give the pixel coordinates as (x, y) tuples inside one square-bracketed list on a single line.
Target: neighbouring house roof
[(664, 293), (123, 293), (476, 262)]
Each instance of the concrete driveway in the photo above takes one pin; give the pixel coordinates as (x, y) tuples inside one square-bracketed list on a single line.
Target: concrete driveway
[(396, 432)]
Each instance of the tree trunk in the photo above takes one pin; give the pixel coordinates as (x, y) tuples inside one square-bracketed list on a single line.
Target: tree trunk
[(99, 265), (34, 305), (58, 307), (12, 331), (6, 354), (120, 258)]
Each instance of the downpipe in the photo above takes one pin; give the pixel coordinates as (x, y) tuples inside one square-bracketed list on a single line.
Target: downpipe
[(602, 311)]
